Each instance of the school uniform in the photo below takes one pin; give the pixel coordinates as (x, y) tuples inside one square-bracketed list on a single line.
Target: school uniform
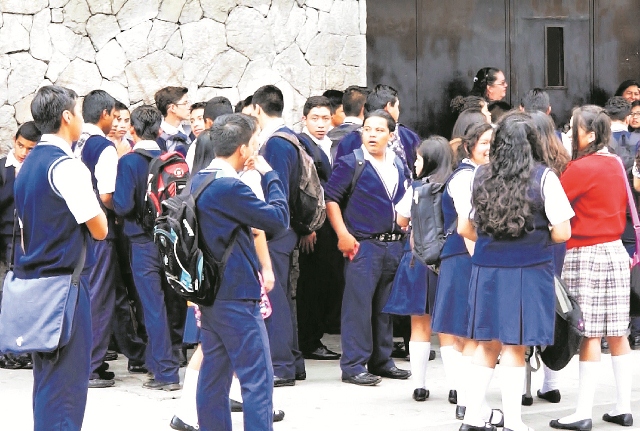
[(233, 333), (350, 124), (173, 139), (369, 215), (512, 293), (281, 326), (9, 167), (450, 311), (146, 263), (53, 241), (101, 158)]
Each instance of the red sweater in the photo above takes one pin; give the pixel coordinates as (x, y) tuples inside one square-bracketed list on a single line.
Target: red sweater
[(596, 189)]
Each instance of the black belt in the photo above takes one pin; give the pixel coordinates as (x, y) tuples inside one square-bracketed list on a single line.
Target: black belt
[(389, 237)]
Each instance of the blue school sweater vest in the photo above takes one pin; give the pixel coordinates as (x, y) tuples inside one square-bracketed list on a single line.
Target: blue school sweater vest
[(454, 244), (91, 151), (52, 238)]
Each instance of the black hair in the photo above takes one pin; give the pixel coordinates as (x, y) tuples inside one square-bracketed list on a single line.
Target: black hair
[(535, 100), (231, 131), (270, 99), (316, 102), (594, 119), (460, 104), (145, 120), (503, 208), (242, 104), (353, 100), (437, 158), (95, 103), (485, 77), (48, 105), (381, 113), (466, 120), (617, 108), (551, 152), (626, 84), (168, 96), (380, 97), (216, 107), (197, 105), (205, 152), (498, 108), (469, 141), (335, 99), (29, 131), (119, 106)]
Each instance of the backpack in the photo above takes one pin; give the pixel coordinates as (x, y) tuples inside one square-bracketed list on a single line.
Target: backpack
[(427, 222), (189, 267), (168, 175), (306, 203), (569, 330)]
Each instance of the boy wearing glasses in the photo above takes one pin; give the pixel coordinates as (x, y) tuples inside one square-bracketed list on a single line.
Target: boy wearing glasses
[(173, 104)]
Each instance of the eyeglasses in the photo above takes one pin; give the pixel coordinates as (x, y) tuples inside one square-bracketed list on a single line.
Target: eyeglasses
[(502, 84), (635, 114), (181, 104)]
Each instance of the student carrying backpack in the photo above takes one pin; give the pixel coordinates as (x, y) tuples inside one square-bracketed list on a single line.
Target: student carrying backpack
[(428, 234)]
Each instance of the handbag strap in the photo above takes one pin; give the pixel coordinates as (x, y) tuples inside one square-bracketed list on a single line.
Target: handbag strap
[(632, 205)]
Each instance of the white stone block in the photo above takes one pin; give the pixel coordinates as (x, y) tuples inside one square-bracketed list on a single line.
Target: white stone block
[(134, 12), (40, 41), (64, 40), (99, 6), (317, 80), (57, 64), (8, 127), (198, 55), (286, 21), (174, 46), (257, 74), (135, 40), (362, 5), (325, 49), (191, 12), (293, 68), (85, 50), (101, 29), (309, 29), (76, 15), (23, 6), (261, 5), (14, 36), (4, 90), (81, 76), (248, 33), (111, 60), (170, 10), (227, 69), (23, 109), (116, 90), (342, 19), (149, 74), (161, 32), (323, 5), (341, 77), (204, 94), (57, 3), (355, 51), (116, 5), (217, 9), (26, 73), (57, 15)]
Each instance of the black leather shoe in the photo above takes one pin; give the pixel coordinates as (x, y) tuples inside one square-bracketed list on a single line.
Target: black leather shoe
[(420, 394), (527, 400), (278, 415), (604, 346), (137, 369), (634, 342), (485, 427), (236, 406), (393, 373), (321, 354), (460, 411), (164, 386), (100, 383), (551, 396), (625, 419), (432, 355), (492, 421), (399, 350), (363, 379), (177, 424), (279, 381), (111, 355), (105, 375), (453, 396), (583, 425), (301, 376), (181, 357)]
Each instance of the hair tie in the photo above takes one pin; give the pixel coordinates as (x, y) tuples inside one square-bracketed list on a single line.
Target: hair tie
[(475, 79)]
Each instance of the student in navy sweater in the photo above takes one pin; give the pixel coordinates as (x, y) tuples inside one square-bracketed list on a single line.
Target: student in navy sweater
[(353, 102), (101, 158), (365, 222), (234, 337), (146, 264), (53, 241), (288, 363)]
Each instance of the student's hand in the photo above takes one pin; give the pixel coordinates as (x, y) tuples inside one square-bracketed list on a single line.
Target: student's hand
[(307, 243), (348, 245), (268, 279), (258, 163), (122, 147)]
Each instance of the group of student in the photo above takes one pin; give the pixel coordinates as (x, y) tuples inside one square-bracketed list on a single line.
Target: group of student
[(513, 187)]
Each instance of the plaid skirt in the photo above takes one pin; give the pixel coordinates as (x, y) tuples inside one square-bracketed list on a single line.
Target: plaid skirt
[(598, 277)]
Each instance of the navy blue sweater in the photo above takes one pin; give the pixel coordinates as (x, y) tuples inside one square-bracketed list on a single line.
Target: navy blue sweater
[(283, 158), (7, 204)]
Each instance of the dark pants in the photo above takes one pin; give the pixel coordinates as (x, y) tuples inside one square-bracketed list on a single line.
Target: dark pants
[(367, 332), (101, 283), (280, 326), (148, 277), (60, 383), (234, 339), (176, 315)]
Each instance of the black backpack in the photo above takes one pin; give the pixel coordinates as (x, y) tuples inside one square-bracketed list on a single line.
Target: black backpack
[(569, 330), (189, 267), (427, 222)]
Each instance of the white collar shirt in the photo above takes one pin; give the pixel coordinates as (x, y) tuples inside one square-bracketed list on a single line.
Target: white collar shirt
[(385, 169), (324, 143), (269, 129)]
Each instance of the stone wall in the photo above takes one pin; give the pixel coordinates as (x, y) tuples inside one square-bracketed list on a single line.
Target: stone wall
[(132, 48)]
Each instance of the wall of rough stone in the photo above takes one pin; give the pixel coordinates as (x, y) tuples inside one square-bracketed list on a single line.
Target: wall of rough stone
[(131, 48)]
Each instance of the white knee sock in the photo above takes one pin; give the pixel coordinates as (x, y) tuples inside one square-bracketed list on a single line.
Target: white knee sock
[(419, 358), (235, 393), (551, 380), (479, 379), (463, 379), (187, 411), (451, 362), (510, 378), (586, 391), (622, 373)]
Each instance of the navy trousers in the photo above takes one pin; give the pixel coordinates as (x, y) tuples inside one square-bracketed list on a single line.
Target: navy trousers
[(147, 274), (101, 283), (280, 326), (367, 332), (234, 338), (60, 382)]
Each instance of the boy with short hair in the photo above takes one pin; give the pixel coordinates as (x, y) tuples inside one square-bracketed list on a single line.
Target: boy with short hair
[(173, 104), (196, 119), (337, 111)]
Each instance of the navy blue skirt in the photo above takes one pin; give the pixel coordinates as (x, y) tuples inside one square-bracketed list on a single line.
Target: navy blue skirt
[(513, 305), (191, 329), (413, 290), (451, 308)]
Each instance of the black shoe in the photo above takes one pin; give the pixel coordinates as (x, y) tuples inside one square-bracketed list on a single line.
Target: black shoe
[(527, 400), (460, 411), (137, 369), (236, 406), (363, 379), (182, 358), (624, 419), (399, 350), (420, 394), (604, 346), (164, 386), (10, 362), (551, 396), (100, 383), (634, 341), (583, 425), (321, 354), (111, 355), (104, 375), (432, 355), (177, 424), (278, 415), (485, 427), (279, 381), (301, 376), (393, 373), (500, 423), (453, 396)]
